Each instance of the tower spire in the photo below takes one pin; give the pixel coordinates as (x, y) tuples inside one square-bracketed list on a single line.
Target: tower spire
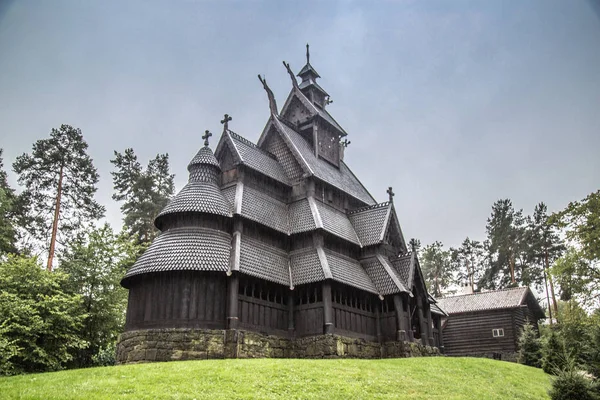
[(307, 54)]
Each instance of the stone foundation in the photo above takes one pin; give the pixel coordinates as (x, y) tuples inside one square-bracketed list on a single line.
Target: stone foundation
[(196, 344)]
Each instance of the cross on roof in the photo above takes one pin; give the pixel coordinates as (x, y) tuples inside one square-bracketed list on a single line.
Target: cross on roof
[(225, 122), (345, 142), (206, 135), (391, 193)]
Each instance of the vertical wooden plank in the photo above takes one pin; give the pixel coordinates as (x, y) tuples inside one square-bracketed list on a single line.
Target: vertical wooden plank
[(210, 299), (256, 314), (192, 312), (202, 289)]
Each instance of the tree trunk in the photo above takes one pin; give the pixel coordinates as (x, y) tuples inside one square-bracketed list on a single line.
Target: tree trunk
[(470, 277), (548, 297), (512, 268), (55, 223), (554, 304)]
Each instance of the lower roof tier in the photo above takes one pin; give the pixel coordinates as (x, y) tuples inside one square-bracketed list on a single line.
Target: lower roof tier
[(205, 249)]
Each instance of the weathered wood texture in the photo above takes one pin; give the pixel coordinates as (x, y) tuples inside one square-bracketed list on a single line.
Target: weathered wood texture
[(471, 333), (177, 299)]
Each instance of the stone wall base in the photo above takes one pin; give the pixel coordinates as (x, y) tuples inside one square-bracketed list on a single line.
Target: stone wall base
[(194, 344)]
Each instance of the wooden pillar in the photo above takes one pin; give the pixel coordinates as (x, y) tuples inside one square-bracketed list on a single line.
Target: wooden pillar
[(290, 306), (422, 321), (440, 334), (233, 285), (378, 323), (429, 325), (401, 322), (327, 308)]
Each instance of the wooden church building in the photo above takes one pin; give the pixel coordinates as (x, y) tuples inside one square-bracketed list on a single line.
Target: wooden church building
[(276, 249)]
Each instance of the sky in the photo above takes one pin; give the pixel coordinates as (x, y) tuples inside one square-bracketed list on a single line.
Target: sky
[(455, 104)]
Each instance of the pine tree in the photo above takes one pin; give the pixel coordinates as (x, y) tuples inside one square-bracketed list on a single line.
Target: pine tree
[(143, 193), (544, 247), (60, 180), (529, 347), (469, 262), (8, 205), (505, 230), (435, 263)]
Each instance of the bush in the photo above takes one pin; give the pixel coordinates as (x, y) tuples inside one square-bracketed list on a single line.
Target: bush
[(529, 347), (40, 323), (552, 350), (106, 356), (571, 386)]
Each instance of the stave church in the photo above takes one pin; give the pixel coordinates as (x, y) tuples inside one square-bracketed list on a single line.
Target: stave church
[(276, 249)]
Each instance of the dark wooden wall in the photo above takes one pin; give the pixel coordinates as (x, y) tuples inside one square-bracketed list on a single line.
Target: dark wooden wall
[(308, 310), (262, 306), (176, 300), (471, 333)]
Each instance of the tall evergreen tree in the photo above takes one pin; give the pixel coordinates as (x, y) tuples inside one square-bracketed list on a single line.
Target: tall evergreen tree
[(436, 266), (143, 193), (8, 205), (544, 247), (469, 262), (60, 180), (505, 231)]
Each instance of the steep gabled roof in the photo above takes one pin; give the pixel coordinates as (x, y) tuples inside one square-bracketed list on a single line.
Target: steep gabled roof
[(403, 265), (349, 271), (342, 178), (252, 156), (492, 300), (384, 276), (336, 222), (263, 261), (370, 222)]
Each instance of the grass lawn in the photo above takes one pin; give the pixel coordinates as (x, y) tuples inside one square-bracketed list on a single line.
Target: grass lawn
[(412, 378)]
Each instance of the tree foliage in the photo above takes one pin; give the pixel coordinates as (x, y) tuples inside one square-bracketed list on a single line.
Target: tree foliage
[(95, 264), (8, 213), (505, 231), (469, 261), (529, 347), (143, 193), (62, 155), (40, 324), (436, 266)]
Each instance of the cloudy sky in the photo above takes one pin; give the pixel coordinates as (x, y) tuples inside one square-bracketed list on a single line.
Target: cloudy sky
[(453, 103)]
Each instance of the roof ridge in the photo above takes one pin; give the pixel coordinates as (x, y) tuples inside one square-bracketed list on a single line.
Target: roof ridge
[(242, 139), (370, 207), (488, 291)]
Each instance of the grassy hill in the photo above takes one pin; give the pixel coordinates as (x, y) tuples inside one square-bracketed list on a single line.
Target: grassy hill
[(413, 378)]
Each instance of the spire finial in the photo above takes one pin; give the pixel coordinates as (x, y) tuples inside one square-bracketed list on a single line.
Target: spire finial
[(225, 122), (391, 193), (307, 54), (206, 135)]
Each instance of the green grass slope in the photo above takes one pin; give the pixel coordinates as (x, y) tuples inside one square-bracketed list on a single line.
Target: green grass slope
[(413, 378)]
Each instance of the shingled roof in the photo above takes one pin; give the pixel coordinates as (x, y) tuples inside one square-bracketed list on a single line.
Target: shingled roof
[(178, 249), (486, 301)]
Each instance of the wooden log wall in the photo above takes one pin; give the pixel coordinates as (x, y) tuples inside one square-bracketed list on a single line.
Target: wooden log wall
[(177, 299), (471, 333)]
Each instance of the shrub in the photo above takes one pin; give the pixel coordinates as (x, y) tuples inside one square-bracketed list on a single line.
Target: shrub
[(40, 323), (552, 350), (570, 385), (529, 347)]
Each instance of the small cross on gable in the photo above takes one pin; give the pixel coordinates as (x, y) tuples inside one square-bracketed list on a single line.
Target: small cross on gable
[(346, 142), (225, 122), (391, 193), (206, 135)]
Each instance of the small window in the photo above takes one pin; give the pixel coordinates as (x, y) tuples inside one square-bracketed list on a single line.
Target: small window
[(498, 332)]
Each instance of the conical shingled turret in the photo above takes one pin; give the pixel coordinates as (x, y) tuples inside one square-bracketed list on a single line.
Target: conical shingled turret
[(202, 193)]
